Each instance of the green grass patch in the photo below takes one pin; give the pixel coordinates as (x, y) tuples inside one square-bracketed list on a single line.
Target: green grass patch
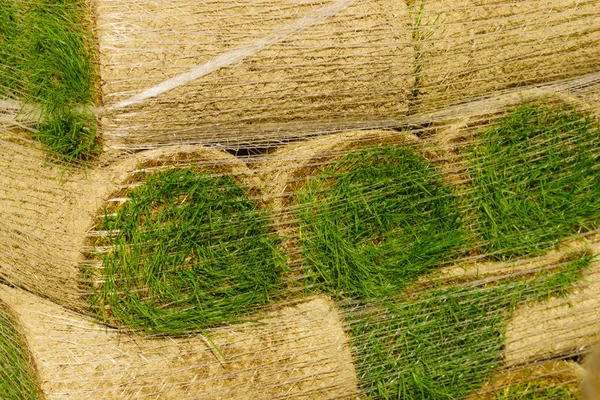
[(374, 220), (70, 135), (536, 179), (17, 374), (447, 342), (188, 251), (45, 61)]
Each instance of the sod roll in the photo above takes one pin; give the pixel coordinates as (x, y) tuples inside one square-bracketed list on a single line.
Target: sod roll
[(299, 351), (188, 240), (368, 210), (250, 72), (49, 209), (466, 49), (526, 167), (18, 375), (561, 327)]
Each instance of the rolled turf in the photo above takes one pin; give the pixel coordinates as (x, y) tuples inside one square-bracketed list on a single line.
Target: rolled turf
[(188, 251), (535, 179), (375, 219)]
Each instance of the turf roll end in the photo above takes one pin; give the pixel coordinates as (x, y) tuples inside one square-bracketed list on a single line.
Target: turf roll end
[(189, 250)]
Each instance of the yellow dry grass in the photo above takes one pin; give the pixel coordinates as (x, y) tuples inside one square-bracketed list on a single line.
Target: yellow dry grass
[(260, 77)]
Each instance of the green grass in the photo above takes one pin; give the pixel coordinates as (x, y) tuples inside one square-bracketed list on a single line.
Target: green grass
[(45, 61), (374, 220), (447, 342), (189, 251), (17, 375), (536, 179)]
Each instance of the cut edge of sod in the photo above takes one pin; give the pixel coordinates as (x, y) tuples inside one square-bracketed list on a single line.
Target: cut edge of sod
[(189, 250), (535, 176), (18, 375), (51, 58), (374, 219)]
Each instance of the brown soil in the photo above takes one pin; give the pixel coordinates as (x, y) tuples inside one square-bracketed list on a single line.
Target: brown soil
[(298, 352), (353, 69)]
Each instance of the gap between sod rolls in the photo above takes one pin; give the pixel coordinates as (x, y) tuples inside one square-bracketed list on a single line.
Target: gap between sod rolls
[(188, 251), (535, 179), (18, 378), (47, 62), (375, 219)]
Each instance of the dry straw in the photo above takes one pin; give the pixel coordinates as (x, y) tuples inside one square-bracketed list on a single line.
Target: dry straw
[(298, 351), (48, 211), (249, 72), (466, 49)]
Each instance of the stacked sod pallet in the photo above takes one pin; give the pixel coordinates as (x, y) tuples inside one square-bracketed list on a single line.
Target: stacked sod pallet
[(427, 260)]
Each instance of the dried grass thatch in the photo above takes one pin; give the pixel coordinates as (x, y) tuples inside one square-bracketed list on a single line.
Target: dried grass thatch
[(470, 48), (299, 352), (249, 72)]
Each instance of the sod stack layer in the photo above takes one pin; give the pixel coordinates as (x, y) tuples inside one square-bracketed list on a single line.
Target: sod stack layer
[(546, 324), (299, 351), (18, 377), (466, 48), (184, 246), (447, 335), (249, 72)]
